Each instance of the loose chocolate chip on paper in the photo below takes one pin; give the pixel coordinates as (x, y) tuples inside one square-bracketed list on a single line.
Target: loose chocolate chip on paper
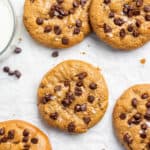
[(55, 54), (17, 50), (11, 73), (17, 73), (6, 69)]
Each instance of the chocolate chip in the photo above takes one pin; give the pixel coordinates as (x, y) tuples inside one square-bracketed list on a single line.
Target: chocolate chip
[(76, 31), (93, 86), (130, 28), (91, 98), (57, 88), (135, 33), (77, 108), (107, 1), (25, 132), (78, 23), (136, 12), (78, 91), (148, 104), (6, 69), (111, 14), (75, 4), (127, 138), (80, 108), (71, 11), (139, 3), (46, 98), (138, 23), (144, 96), (82, 75), (144, 126), (79, 83), (122, 33), (136, 119), (39, 21), (86, 120), (66, 83), (137, 116), (54, 116), (65, 41), (11, 134), (134, 102), (55, 54), (83, 2), (34, 140), (66, 102), (25, 139), (2, 131), (122, 116), (17, 50), (4, 139), (119, 21), (60, 1), (147, 8), (83, 107), (126, 9), (31, 1), (26, 146), (11, 73), (57, 30), (70, 96), (17, 73), (71, 127), (47, 29), (147, 115), (147, 17), (107, 28), (143, 134)]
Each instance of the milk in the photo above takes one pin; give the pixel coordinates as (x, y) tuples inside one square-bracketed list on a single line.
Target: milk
[(6, 24)]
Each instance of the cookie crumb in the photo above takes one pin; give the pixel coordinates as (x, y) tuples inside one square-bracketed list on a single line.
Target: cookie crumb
[(143, 61)]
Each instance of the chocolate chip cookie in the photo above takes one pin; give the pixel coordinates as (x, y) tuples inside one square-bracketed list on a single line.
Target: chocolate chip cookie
[(123, 24), (57, 23), (73, 96), (131, 118), (20, 135)]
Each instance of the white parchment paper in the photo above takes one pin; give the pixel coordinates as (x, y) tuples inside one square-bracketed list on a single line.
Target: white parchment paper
[(18, 97)]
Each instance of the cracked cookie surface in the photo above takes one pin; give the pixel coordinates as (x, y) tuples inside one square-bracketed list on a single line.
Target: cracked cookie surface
[(57, 23), (20, 135), (131, 118), (73, 96), (122, 24)]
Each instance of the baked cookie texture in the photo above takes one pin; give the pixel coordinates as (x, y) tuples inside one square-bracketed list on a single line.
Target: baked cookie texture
[(122, 24), (73, 96), (131, 118), (20, 135), (57, 23)]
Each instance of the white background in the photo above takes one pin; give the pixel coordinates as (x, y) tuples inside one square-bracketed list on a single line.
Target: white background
[(18, 97)]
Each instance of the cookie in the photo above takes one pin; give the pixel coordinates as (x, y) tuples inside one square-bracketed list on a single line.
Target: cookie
[(20, 135), (57, 23), (73, 96), (122, 24), (131, 118)]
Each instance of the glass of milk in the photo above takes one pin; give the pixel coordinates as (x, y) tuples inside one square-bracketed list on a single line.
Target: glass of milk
[(7, 28)]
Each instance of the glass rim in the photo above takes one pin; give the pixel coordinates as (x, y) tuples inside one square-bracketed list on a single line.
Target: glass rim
[(14, 29)]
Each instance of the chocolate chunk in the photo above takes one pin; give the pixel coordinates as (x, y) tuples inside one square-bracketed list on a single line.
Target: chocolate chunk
[(147, 115), (134, 102), (122, 33), (138, 23), (144, 96), (111, 14), (147, 8), (55, 54), (66, 83), (60, 1), (11, 134), (6, 69), (76, 31), (47, 29), (135, 33), (25, 132), (119, 21), (25, 139), (147, 17), (139, 3), (34, 140), (144, 126), (107, 1), (17, 73), (57, 30), (65, 41), (2, 131), (17, 50), (130, 28), (93, 86), (82, 75), (75, 4), (78, 23), (122, 116), (71, 127), (78, 91), (91, 98), (57, 88), (54, 116), (148, 104), (79, 83), (39, 21), (87, 120), (143, 134), (107, 28), (127, 138)]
